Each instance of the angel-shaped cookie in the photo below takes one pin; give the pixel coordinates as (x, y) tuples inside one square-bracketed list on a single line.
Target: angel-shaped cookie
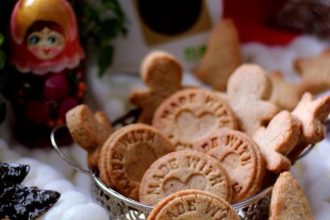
[(312, 114), (162, 74)]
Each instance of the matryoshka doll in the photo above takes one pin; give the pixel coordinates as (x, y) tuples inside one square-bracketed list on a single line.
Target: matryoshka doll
[(47, 77)]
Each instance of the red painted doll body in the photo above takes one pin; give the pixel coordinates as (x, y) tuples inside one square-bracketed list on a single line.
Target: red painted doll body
[(48, 74)]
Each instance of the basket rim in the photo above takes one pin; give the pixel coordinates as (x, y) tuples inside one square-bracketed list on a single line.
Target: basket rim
[(135, 204)]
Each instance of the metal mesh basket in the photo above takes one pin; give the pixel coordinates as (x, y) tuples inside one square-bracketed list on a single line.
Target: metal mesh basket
[(123, 208)]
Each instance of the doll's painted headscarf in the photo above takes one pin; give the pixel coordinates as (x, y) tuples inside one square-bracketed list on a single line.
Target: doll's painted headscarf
[(34, 15)]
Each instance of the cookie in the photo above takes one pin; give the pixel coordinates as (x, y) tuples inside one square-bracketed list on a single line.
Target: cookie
[(103, 151), (277, 140), (222, 56), (288, 201), (193, 205), (88, 130), (285, 94), (188, 115), (162, 74), (249, 88), (312, 114), (184, 170), (241, 158), (314, 72), (127, 154)]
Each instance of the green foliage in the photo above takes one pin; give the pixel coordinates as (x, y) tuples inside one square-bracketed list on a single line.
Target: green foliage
[(100, 22), (3, 56)]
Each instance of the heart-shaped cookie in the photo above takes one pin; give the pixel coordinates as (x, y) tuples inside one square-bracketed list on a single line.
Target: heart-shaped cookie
[(184, 170)]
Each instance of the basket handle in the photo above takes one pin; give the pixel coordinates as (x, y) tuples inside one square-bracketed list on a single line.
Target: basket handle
[(61, 154)]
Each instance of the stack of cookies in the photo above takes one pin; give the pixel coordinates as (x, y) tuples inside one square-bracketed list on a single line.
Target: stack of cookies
[(195, 151)]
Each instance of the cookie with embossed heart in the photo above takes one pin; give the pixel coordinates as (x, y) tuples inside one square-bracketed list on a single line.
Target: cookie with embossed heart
[(189, 115), (181, 170), (241, 158), (193, 205)]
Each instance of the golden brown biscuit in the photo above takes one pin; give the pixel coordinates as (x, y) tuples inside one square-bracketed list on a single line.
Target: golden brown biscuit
[(184, 170), (193, 205), (241, 157), (277, 140), (222, 56), (88, 130), (188, 115), (312, 114), (103, 151), (315, 72), (288, 201), (285, 94), (162, 74), (248, 90), (127, 154)]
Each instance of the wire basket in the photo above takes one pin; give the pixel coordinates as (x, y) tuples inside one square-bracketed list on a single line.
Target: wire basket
[(123, 208)]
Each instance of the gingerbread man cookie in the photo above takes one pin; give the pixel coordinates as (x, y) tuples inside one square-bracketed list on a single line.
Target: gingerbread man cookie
[(222, 56), (285, 94), (288, 200), (248, 90), (315, 72), (312, 114), (277, 140), (89, 130), (162, 74)]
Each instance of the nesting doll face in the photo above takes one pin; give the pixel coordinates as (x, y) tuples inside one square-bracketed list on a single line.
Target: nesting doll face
[(46, 43), (44, 37)]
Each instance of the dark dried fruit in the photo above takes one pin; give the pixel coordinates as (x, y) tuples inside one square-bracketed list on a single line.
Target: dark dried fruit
[(12, 173), (21, 202), (306, 16)]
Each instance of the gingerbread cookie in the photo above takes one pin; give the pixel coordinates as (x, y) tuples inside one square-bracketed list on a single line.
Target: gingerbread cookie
[(89, 130), (277, 140), (285, 94), (162, 74), (315, 72), (184, 170), (127, 154), (188, 115), (241, 157), (288, 200), (248, 90), (222, 56), (312, 114), (193, 205)]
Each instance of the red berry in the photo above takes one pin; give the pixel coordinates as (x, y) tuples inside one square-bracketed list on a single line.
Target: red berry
[(67, 104), (38, 112), (56, 86)]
